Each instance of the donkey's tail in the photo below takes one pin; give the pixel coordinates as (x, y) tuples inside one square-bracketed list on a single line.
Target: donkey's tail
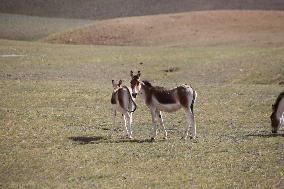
[(135, 106), (193, 100)]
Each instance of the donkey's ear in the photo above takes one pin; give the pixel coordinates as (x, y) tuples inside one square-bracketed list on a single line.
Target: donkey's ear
[(139, 74), (120, 82), (112, 81), (131, 73)]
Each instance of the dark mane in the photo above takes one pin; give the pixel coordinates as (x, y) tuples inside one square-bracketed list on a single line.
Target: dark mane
[(156, 88), (277, 102), (147, 83)]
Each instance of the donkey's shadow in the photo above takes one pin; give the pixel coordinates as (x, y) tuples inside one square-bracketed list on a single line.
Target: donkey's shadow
[(104, 139), (265, 135)]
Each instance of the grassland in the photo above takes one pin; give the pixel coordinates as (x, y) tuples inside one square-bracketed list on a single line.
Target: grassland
[(55, 118), (31, 28)]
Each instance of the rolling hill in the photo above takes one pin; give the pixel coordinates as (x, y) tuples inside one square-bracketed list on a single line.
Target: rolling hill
[(211, 28)]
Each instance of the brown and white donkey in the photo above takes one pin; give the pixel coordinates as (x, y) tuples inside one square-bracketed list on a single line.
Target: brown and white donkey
[(160, 99), (123, 102)]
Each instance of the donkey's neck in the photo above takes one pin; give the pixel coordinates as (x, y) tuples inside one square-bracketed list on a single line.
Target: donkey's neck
[(146, 93)]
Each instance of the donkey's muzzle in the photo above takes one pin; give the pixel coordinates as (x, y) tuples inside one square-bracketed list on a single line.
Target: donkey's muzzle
[(134, 95)]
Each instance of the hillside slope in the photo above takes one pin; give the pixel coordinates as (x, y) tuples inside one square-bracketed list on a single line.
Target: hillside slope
[(101, 9), (184, 29)]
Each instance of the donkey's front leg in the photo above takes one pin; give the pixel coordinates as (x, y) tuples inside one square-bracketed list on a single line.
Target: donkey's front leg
[(282, 119), (153, 113), (130, 124), (160, 117), (131, 120)]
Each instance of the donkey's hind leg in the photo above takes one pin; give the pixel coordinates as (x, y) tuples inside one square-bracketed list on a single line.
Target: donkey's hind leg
[(191, 125), (113, 122), (127, 123), (160, 117), (154, 116)]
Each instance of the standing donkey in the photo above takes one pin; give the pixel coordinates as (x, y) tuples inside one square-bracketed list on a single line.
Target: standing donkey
[(277, 116), (123, 102), (167, 100)]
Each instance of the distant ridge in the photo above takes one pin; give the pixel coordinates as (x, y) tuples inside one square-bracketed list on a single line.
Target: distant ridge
[(105, 9)]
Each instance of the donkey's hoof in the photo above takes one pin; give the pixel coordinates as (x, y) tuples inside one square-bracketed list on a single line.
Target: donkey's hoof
[(193, 137), (165, 138), (109, 136), (152, 139), (124, 137), (130, 137)]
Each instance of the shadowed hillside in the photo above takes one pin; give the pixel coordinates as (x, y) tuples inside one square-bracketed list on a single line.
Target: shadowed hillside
[(102, 9)]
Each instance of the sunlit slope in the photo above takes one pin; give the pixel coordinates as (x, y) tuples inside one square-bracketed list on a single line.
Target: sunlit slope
[(260, 28)]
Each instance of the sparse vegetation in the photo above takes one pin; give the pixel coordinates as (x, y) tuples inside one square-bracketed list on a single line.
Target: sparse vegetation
[(55, 98), (55, 118)]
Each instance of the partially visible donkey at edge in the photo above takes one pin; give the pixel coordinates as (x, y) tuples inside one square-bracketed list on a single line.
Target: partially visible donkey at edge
[(167, 100), (277, 116), (123, 102)]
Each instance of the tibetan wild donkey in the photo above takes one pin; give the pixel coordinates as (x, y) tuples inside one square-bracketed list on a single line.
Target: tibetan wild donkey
[(167, 100), (277, 116), (123, 102)]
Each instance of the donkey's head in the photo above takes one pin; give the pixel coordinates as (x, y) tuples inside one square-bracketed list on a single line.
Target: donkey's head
[(135, 83), (116, 84), (275, 122)]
